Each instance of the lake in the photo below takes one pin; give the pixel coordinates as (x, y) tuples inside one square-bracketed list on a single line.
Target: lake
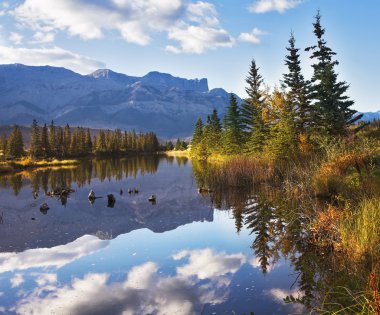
[(188, 253)]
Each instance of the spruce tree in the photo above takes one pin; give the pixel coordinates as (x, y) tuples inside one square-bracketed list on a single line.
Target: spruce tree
[(88, 141), (252, 109), (66, 140), (297, 88), (53, 143), (45, 146), (333, 113), (15, 147), (3, 145), (35, 141), (197, 135), (232, 128)]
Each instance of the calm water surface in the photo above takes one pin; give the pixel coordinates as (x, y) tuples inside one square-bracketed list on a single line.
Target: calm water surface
[(187, 254)]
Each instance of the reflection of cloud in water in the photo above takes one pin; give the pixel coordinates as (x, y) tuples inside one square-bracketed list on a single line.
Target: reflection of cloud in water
[(278, 295), (204, 263), (144, 291), (255, 263), (17, 280), (56, 256)]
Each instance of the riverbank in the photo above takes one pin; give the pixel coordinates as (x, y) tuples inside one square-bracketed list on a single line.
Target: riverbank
[(27, 164), (185, 153), (334, 192)]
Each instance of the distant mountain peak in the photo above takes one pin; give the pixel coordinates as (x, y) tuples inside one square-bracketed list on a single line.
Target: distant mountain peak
[(158, 102)]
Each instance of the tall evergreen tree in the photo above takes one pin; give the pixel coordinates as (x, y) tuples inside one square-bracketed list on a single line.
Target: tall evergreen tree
[(333, 113), (297, 88), (66, 140), (197, 135), (252, 111), (35, 141), (3, 145), (15, 144), (45, 146), (53, 143), (233, 128)]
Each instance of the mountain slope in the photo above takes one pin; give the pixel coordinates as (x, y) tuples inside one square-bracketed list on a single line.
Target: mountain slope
[(105, 99)]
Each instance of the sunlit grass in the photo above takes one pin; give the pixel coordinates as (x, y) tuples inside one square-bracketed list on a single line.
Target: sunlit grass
[(25, 163), (361, 232)]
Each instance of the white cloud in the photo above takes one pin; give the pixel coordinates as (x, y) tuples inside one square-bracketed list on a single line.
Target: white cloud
[(195, 25), (88, 20), (198, 39), (205, 263), (16, 38), (54, 56), (17, 280), (145, 290), (279, 295), (43, 37), (253, 37), (50, 257), (203, 13), (264, 6)]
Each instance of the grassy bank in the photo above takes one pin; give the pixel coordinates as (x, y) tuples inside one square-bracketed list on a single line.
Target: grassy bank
[(336, 189), (27, 163), (177, 153)]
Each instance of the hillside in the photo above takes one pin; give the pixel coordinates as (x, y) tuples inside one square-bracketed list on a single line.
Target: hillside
[(156, 102)]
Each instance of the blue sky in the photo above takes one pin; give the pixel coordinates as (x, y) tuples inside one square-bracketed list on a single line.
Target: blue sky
[(194, 39)]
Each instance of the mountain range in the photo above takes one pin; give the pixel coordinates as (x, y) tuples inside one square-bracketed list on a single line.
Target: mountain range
[(156, 102)]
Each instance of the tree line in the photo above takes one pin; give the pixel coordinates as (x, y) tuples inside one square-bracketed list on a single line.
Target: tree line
[(62, 142), (287, 120)]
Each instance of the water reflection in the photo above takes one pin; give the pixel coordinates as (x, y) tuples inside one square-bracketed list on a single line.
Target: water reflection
[(278, 226), (71, 215), (214, 250)]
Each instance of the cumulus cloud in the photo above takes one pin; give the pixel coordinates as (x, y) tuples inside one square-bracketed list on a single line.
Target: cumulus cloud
[(205, 263), (253, 37), (198, 39), (57, 256), (17, 280), (43, 37), (194, 25), (264, 6), (16, 38), (54, 56), (278, 295), (145, 290)]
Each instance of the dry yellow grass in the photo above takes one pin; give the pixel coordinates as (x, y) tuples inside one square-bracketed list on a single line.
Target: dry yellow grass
[(26, 163)]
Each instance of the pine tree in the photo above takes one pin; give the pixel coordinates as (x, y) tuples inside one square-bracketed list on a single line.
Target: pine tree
[(88, 141), (3, 145), (53, 143), (45, 146), (35, 141), (66, 140), (283, 140), (232, 128), (197, 135), (333, 113), (297, 88), (252, 112), (213, 136), (15, 147)]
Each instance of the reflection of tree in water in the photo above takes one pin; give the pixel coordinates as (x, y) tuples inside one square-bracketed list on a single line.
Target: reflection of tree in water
[(279, 225), (258, 219), (16, 183), (50, 178)]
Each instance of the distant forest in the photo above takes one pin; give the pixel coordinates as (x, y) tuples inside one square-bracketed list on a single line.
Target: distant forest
[(61, 142)]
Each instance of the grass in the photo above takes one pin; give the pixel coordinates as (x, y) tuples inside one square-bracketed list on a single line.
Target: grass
[(28, 163), (360, 233), (177, 153)]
